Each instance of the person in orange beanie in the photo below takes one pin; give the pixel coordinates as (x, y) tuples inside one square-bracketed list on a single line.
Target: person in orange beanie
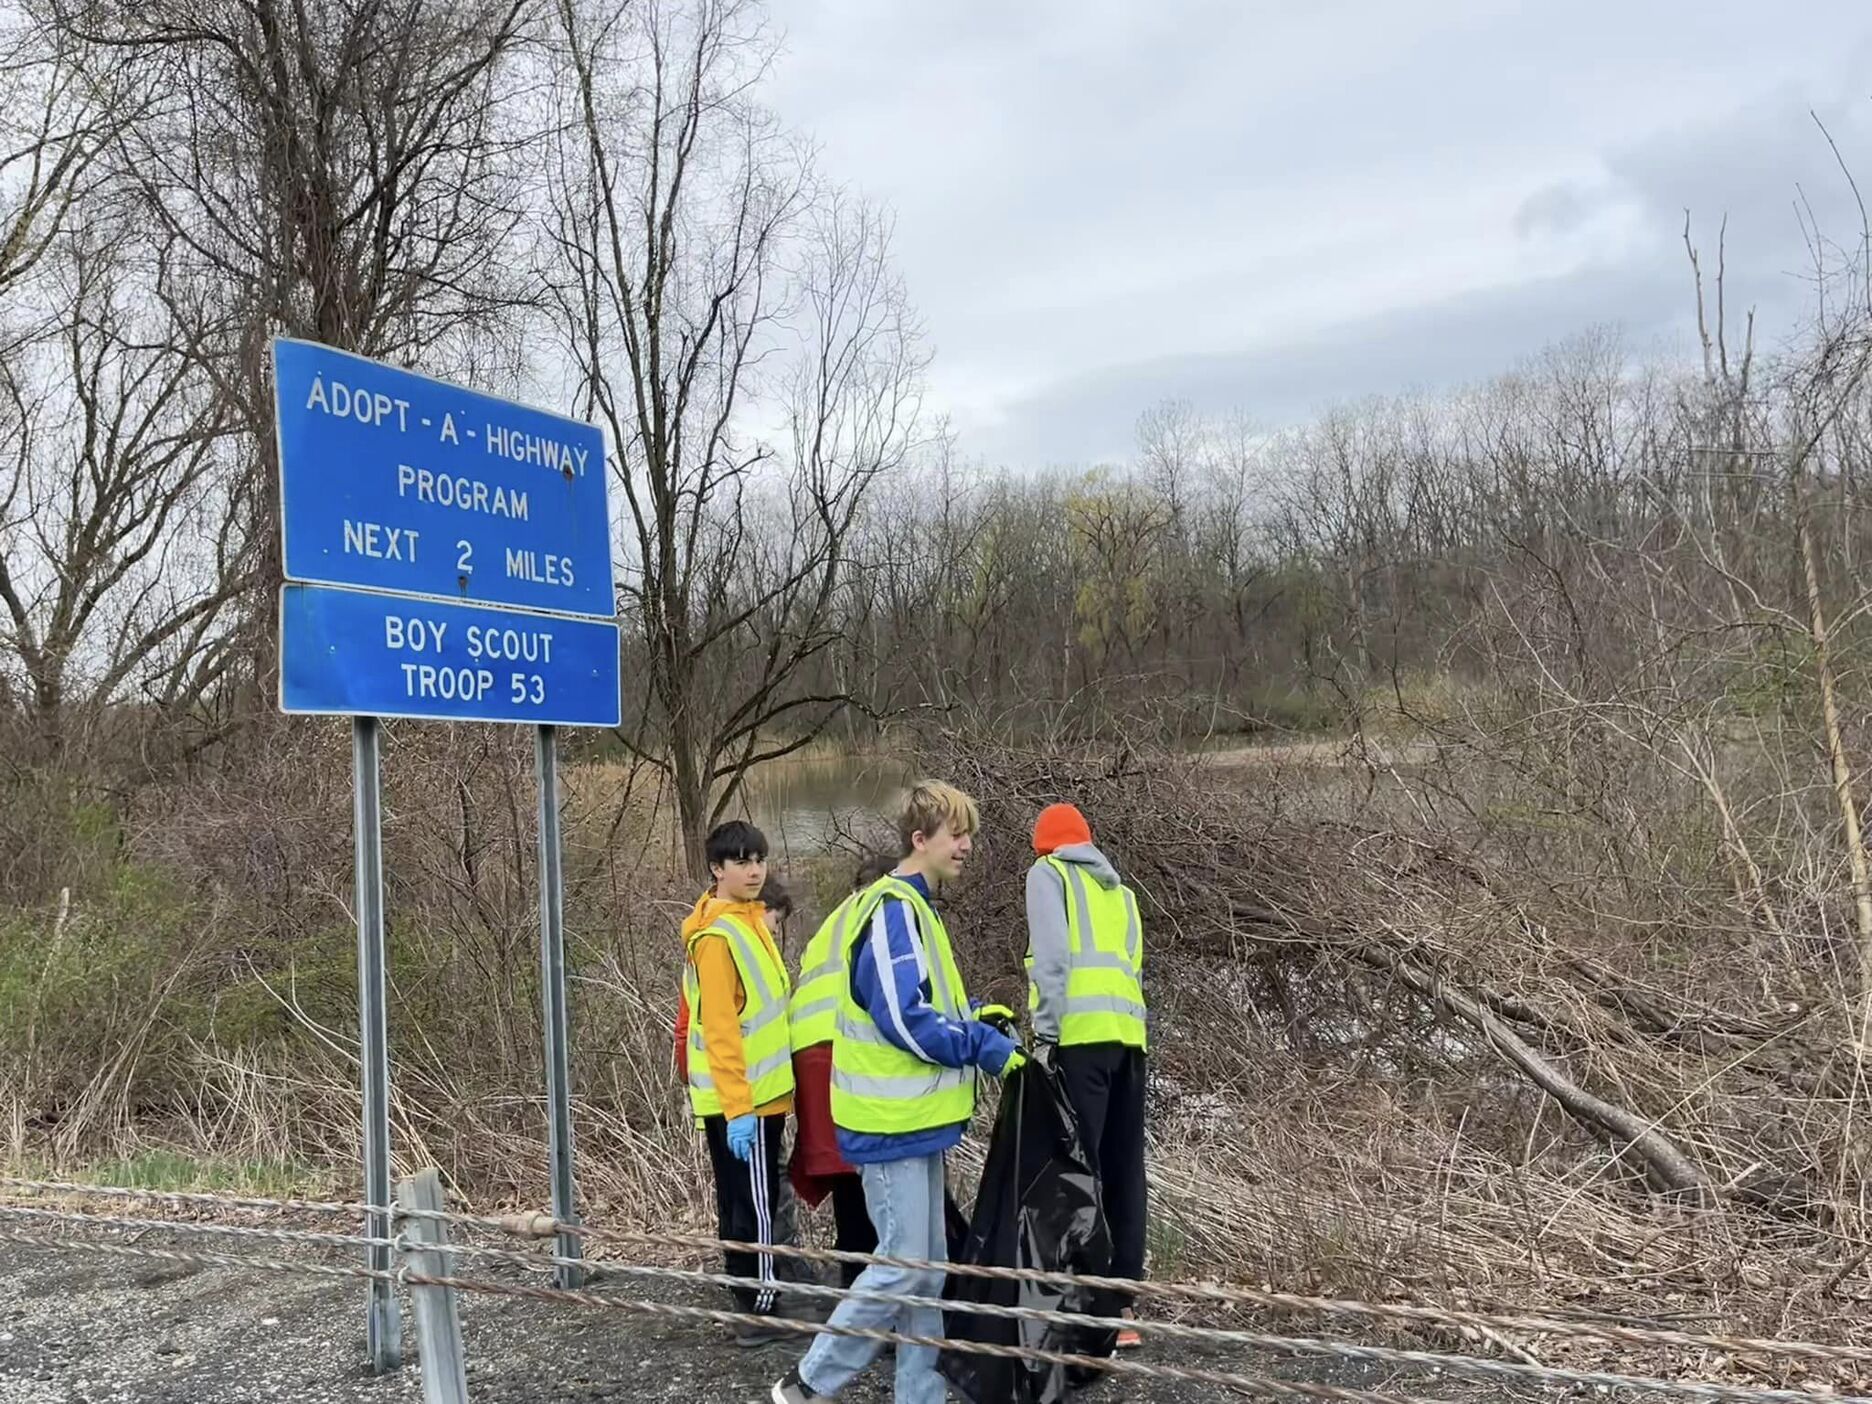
[(1085, 969)]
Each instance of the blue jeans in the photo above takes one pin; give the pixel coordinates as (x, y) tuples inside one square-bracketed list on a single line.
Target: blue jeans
[(905, 1198)]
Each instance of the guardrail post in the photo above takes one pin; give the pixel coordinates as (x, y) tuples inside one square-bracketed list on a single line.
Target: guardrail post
[(438, 1319)]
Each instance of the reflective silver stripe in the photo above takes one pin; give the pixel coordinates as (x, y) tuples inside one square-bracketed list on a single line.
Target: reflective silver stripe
[(750, 960), (835, 954), (903, 1088), (943, 998), (826, 969), (748, 1027), (941, 995), (1104, 1004), (1089, 955), (1075, 880), (815, 1009), (772, 1063), (863, 1031), (819, 972), (776, 1010)]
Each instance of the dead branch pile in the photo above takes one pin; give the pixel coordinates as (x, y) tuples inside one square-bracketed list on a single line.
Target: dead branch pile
[(1388, 1061)]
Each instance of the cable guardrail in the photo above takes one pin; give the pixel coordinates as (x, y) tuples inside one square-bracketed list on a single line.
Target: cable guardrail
[(231, 1231), (1176, 1331), (1253, 1385), (28, 1219), (540, 1226), (79, 1189), (184, 1257)]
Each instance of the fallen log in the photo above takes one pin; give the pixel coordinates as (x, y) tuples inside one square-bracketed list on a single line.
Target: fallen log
[(1665, 1165)]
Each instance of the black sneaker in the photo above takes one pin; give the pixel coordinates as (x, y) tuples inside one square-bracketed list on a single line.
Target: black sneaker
[(792, 1390)]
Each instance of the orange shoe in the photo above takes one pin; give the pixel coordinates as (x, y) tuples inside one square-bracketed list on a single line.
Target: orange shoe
[(1128, 1338)]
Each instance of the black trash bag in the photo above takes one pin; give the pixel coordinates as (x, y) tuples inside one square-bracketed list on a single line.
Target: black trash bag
[(1038, 1207)]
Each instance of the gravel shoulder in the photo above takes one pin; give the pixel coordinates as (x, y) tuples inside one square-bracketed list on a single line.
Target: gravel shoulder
[(82, 1329)]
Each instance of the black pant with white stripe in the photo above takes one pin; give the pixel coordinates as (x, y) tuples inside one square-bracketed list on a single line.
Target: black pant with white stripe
[(745, 1195)]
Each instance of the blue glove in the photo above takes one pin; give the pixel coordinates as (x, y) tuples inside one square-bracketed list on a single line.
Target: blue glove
[(741, 1136)]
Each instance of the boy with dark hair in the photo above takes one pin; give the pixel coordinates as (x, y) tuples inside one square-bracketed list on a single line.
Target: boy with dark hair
[(739, 1061)]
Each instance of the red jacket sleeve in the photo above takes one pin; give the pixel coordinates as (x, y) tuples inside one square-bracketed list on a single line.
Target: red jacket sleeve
[(682, 1037)]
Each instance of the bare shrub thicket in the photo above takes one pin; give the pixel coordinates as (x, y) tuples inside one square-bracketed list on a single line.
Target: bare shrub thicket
[(1394, 1056)]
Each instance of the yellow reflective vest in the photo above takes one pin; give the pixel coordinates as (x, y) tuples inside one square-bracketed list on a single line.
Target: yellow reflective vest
[(1105, 969), (764, 1043), (812, 1013), (878, 1088)]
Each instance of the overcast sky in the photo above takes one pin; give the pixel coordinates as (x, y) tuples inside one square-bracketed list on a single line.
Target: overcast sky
[(1274, 204)]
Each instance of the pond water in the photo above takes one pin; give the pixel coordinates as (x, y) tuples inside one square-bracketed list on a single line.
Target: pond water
[(823, 797)]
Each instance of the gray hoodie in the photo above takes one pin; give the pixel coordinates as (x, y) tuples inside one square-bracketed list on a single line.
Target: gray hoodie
[(1047, 935)]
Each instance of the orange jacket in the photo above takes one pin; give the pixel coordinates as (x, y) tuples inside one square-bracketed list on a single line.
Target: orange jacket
[(723, 999)]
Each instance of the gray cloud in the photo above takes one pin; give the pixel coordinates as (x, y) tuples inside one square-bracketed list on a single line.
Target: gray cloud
[(1272, 207), (1451, 343), (1559, 209), (1763, 165)]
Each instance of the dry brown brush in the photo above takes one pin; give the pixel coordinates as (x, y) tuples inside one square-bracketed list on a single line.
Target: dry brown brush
[(1396, 1060)]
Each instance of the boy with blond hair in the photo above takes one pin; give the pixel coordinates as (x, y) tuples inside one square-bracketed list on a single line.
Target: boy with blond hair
[(903, 1090)]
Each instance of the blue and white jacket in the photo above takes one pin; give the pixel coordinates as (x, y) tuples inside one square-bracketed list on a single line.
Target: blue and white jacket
[(890, 979)]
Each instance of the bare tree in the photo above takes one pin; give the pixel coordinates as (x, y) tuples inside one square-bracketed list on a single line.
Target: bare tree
[(1116, 526), (697, 256), (113, 591), (345, 172), (61, 108)]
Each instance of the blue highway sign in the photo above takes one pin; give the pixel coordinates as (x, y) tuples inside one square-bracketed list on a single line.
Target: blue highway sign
[(390, 480), (361, 653)]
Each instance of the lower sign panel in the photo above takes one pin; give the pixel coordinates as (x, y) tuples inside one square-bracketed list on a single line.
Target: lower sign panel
[(355, 653)]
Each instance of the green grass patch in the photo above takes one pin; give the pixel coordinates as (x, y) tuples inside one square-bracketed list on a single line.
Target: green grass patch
[(1167, 1242), (166, 1171)]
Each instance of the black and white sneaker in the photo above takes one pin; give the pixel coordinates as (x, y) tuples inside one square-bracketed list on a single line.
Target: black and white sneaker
[(792, 1390)]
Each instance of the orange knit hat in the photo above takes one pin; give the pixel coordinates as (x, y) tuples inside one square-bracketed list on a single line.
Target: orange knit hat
[(1058, 826)]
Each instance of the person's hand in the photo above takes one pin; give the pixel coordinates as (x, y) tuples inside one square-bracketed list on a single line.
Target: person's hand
[(999, 1018), (741, 1136), (1015, 1062)]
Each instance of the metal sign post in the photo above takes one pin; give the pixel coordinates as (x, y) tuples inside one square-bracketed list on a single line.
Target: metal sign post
[(448, 558), (383, 1327), (553, 995)]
